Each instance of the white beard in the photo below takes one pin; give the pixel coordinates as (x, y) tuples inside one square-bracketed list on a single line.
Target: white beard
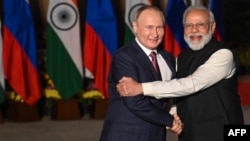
[(198, 45)]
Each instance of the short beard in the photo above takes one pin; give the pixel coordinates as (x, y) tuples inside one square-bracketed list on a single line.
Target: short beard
[(198, 45)]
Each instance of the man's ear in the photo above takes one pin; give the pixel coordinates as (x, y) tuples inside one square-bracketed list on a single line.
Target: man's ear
[(134, 27), (213, 26)]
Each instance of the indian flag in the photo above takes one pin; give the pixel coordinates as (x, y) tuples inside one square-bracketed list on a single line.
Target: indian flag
[(64, 58), (131, 7), (1, 69)]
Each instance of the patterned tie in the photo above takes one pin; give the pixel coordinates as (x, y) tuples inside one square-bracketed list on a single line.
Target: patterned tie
[(155, 63)]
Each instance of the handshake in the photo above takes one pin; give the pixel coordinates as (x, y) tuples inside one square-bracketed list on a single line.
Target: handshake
[(177, 125), (129, 87)]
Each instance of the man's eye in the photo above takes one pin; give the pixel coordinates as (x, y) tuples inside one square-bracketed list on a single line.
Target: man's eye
[(149, 27), (188, 25), (200, 25), (160, 27)]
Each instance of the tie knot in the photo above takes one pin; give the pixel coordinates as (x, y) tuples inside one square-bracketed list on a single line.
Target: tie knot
[(152, 54)]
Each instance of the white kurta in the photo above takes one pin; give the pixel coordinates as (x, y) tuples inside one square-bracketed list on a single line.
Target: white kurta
[(219, 66)]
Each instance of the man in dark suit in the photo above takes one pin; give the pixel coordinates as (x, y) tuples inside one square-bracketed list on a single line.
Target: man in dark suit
[(140, 118)]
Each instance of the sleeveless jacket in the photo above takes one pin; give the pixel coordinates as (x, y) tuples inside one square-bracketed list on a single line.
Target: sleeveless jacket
[(206, 112)]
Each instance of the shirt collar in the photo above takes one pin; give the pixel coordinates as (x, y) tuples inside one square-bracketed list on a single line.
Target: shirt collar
[(147, 51)]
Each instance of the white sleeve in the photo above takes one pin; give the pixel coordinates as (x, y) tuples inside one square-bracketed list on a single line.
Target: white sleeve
[(173, 110), (219, 66)]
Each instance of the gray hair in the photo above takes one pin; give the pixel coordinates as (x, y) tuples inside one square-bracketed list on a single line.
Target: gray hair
[(198, 7)]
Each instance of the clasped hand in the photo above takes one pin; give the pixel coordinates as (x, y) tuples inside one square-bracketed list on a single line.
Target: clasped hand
[(129, 87), (177, 125)]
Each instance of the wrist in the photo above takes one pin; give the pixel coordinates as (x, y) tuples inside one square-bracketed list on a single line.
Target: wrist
[(140, 88)]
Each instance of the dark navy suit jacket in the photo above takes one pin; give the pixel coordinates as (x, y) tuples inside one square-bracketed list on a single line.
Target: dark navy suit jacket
[(137, 118)]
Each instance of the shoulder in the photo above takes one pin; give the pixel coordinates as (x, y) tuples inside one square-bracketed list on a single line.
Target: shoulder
[(223, 52), (223, 55), (128, 50)]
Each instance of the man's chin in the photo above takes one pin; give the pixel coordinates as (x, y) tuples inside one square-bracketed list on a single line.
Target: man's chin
[(195, 46)]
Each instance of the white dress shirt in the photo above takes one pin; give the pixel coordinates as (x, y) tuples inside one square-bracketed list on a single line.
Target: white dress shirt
[(166, 73)]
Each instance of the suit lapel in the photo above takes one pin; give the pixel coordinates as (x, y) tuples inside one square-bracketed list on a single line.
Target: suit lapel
[(144, 60)]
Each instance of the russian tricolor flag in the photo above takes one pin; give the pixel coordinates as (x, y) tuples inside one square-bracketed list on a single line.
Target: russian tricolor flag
[(174, 41), (19, 50), (100, 41), (216, 6)]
